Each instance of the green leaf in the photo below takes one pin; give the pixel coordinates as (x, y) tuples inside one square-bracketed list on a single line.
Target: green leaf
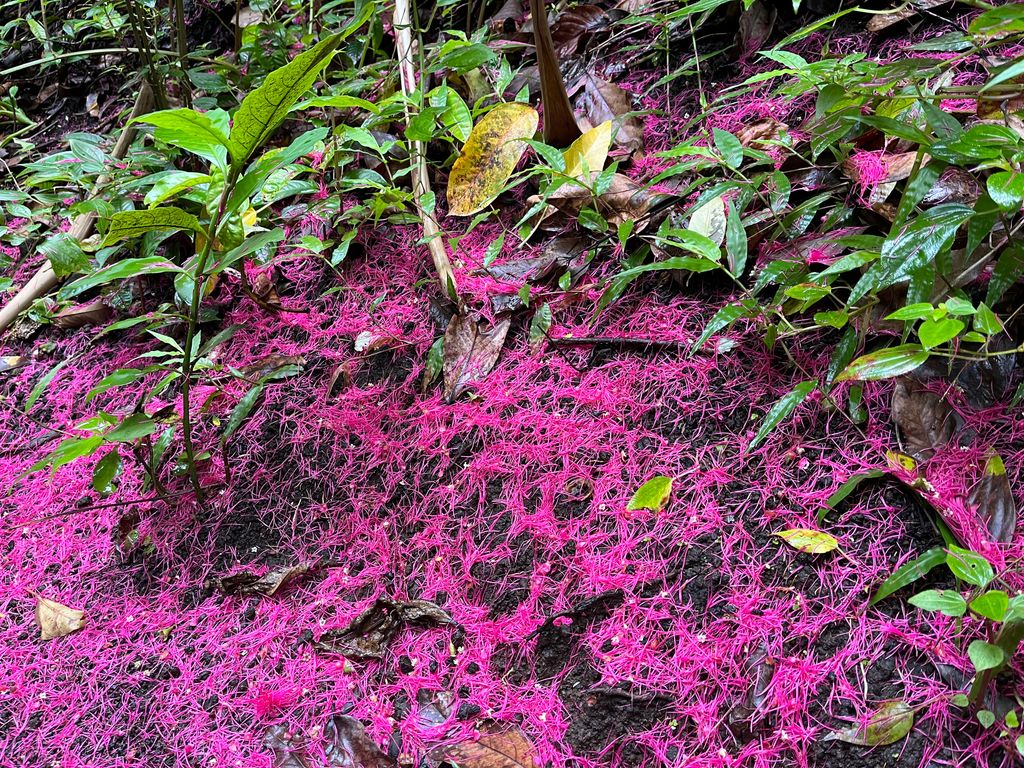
[(846, 489), (64, 253), (910, 572), (729, 147), (998, 22), (270, 162), (652, 495), (173, 183), (724, 317), (125, 224), (935, 332), (131, 428), (120, 270), (241, 411), (921, 241), (782, 408), (942, 600), (42, 384), (250, 245), (540, 325), (735, 242), (69, 450), (105, 471), (986, 321), (986, 718), (264, 109), (969, 566), (917, 311), (985, 655), (1007, 271), (1006, 188), (992, 605), (202, 134), (808, 540), (885, 364), (888, 724), (1013, 69)]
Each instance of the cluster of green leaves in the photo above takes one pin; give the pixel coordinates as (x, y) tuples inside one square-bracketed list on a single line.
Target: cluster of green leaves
[(920, 272)]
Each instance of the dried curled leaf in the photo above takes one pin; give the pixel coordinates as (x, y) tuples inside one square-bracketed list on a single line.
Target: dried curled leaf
[(992, 499), (93, 313), (807, 540), (471, 348), (247, 583), (603, 101), (368, 635), (494, 749), (348, 746), (925, 420), (56, 620), (575, 26), (489, 156), (891, 722)]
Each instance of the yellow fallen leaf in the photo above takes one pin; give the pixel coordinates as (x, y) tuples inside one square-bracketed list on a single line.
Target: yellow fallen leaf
[(489, 156), (249, 219), (588, 153), (809, 541), (56, 620), (710, 220)]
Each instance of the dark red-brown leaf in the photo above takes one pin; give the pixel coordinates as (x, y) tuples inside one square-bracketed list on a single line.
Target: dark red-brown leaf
[(992, 499), (471, 348), (926, 421), (603, 101), (348, 746)]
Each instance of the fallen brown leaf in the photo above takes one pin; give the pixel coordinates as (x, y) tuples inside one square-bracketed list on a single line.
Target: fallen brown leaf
[(270, 365), (925, 420), (992, 499), (348, 745), (756, 25), (882, 21), (93, 313), (601, 101), (368, 635), (247, 583), (766, 129), (494, 748), (625, 200), (56, 620), (471, 348), (574, 27), (10, 363)]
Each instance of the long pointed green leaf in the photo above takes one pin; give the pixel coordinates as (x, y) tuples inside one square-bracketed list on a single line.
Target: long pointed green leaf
[(264, 109), (782, 408)]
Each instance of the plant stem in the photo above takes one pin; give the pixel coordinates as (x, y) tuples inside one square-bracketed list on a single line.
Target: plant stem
[(179, 22), (187, 361)]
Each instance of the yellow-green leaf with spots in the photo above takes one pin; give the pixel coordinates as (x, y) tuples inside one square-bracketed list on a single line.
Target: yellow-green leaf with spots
[(489, 157), (808, 540), (653, 494)]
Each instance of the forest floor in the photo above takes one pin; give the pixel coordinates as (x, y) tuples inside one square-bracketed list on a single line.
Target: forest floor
[(582, 631)]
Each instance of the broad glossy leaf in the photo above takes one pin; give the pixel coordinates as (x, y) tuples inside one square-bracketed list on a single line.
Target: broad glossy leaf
[(1006, 188), (942, 600), (888, 724), (264, 108), (782, 408), (200, 133), (710, 220), (489, 157), (985, 655), (921, 241), (125, 224), (969, 566), (936, 332), (885, 364), (120, 270), (271, 161), (909, 572), (1007, 271), (724, 317), (174, 183), (64, 253), (992, 605), (652, 495), (808, 540)]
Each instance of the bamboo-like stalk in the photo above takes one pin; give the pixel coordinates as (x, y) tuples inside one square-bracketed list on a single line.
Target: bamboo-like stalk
[(420, 177)]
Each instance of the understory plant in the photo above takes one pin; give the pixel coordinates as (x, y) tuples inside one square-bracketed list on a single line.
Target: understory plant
[(215, 216)]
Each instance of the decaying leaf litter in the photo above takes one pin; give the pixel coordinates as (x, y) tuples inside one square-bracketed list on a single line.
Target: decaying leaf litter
[(518, 552)]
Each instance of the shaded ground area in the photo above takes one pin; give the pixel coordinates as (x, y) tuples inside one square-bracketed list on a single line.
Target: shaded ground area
[(686, 637)]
